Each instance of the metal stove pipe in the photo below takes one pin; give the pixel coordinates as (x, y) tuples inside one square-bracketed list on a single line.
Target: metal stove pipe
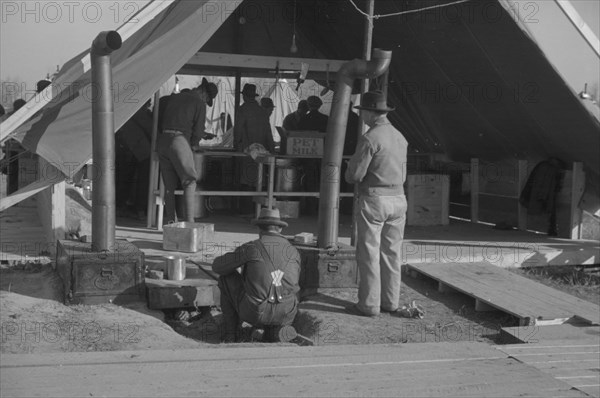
[(103, 142), (336, 132)]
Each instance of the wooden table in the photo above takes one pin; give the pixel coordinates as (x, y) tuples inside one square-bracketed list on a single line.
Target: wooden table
[(269, 195)]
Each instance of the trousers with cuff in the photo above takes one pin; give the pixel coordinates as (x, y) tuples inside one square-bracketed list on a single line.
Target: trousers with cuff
[(380, 225)]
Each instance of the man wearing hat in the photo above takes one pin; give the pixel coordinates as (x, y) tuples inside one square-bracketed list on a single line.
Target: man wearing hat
[(313, 119), (182, 126), (268, 105), (252, 123), (263, 291), (379, 168)]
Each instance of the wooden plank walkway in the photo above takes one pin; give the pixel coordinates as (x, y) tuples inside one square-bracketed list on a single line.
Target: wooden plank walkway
[(566, 352), (402, 370), (22, 237), (534, 334), (500, 289)]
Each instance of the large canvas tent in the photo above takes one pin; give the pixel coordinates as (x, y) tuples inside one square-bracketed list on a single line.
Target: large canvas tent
[(470, 82)]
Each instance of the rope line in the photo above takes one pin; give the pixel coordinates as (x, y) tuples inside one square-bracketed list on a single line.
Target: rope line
[(377, 16)]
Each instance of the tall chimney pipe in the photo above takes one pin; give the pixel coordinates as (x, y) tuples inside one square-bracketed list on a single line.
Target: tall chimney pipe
[(103, 142), (336, 132)]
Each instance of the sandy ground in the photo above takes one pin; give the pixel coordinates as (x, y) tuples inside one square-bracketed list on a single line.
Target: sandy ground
[(34, 320)]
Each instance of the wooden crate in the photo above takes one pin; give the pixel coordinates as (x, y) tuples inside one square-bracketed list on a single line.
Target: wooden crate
[(428, 197), (301, 143)]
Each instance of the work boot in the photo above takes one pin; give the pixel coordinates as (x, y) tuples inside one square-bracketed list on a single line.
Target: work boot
[(280, 334)]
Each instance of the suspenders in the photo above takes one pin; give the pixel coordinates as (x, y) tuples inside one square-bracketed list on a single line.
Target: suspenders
[(274, 295)]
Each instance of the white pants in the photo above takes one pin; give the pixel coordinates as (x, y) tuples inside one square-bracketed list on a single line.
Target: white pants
[(380, 223)]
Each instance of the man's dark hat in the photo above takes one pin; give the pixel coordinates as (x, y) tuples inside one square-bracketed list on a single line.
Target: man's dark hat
[(269, 217), (267, 102), (42, 84), (249, 90), (314, 102), (374, 101), (211, 89)]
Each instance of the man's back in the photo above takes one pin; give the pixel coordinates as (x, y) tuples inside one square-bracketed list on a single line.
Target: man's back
[(252, 126), (184, 112), (313, 120), (380, 159), (258, 271)]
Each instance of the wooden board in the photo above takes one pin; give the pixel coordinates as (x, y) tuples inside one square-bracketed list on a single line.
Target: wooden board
[(188, 293), (534, 334), (22, 237), (574, 361), (398, 370), (508, 292)]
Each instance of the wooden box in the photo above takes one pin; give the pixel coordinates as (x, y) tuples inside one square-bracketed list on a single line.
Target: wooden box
[(305, 143), (428, 197)]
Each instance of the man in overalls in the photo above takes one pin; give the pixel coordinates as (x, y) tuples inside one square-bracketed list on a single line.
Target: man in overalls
[(259, 282)]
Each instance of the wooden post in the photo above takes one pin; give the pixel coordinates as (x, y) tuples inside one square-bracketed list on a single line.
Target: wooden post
[(59, 215), (577, 188), (259, 183), (154, 169), (368, 41), (161, 203), (521, 180), (474, 190), (271, 182)]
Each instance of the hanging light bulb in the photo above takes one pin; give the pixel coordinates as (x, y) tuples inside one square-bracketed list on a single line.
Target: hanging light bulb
[(294, 47)]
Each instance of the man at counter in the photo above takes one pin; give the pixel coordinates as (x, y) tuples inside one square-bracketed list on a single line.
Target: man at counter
[(267, 104), (314, 120), (290, 122), (379, 168), (252, 123), (182, 125), (263, 293)]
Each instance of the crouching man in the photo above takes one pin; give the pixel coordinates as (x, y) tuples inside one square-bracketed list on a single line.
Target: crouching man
[(259, 282)]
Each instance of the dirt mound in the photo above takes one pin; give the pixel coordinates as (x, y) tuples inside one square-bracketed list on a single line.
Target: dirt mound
[(38, 325)]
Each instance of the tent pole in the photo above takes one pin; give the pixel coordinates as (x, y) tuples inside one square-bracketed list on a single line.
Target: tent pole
[(151, 209), (364, 87)]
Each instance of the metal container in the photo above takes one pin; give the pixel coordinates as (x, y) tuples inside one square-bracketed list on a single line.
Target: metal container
[(175, 268), (200, 165), (199, 208), (287, 176), (187, 236), (100, 277)]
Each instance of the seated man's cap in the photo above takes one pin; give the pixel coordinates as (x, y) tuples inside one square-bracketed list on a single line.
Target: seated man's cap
[(269, 217)]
